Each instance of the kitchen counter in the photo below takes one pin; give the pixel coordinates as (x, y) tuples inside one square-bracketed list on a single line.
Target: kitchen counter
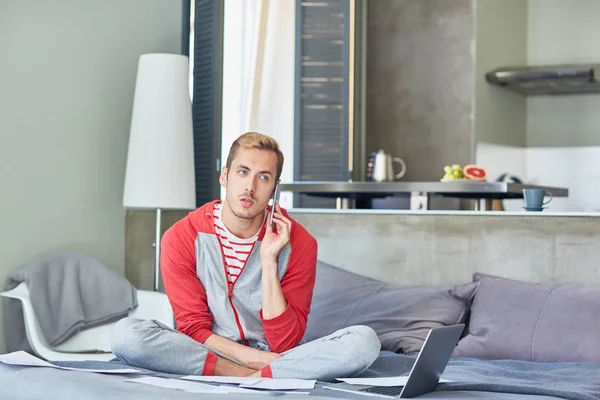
[(446, 213), (360, 194), (407, 247)]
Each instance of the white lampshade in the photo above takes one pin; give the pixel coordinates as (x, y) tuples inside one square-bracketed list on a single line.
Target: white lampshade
[(160, 160)]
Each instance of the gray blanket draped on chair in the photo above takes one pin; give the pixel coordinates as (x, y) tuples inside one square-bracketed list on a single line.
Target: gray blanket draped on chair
[(69, 292)]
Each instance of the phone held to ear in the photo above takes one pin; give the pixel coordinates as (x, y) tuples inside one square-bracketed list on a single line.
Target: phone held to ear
[(275, 201)]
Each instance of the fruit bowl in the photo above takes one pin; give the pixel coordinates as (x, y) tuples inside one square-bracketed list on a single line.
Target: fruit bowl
[(458, 180), (453, 180)]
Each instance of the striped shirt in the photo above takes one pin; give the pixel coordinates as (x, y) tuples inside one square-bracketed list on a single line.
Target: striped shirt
[(235, 250)]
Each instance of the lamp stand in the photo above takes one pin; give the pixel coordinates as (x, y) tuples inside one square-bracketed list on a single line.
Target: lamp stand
[(157, 252)]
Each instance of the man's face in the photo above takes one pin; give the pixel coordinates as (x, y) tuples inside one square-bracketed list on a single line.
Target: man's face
[(249, 182)]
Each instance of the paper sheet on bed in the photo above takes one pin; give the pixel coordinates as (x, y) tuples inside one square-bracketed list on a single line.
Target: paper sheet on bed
[(281, 384), (186, 385), (195, 387), (387, 381), (257, 383), (236, 380), (23, 358)]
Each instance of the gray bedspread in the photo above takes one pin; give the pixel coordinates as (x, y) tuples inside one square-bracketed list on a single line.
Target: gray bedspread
[(472, 379), (560, 380)]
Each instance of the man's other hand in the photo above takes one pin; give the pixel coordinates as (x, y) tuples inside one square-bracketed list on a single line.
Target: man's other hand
[(261, 359)]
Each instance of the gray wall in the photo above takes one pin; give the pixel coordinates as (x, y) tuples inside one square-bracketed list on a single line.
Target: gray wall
[(563, 31), (535, 32), (67, 76), (420, 84), (140, 233), (501, 40)]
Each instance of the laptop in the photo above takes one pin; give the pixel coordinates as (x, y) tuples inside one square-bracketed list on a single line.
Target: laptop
[(426, 371)]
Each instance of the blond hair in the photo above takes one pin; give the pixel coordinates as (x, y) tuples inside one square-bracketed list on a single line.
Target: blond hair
[(255, 140)]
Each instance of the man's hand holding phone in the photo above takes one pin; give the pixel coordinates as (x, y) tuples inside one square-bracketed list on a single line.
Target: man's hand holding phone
[(277, 235), (278, 231)]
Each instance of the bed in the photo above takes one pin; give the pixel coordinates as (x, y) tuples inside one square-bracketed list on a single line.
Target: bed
[(550, 352), (472, 379)]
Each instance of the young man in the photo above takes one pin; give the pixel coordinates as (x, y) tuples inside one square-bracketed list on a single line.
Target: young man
[(241, 290)]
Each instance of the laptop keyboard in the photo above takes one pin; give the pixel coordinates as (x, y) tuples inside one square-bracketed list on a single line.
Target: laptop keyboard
[(387, 390)]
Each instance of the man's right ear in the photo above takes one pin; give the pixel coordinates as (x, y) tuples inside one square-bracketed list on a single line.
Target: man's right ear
[(223, 177)]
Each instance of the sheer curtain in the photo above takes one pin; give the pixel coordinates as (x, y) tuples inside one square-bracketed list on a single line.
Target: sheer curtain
[(258, 75)]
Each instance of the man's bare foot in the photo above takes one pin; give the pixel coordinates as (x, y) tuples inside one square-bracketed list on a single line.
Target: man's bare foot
[(255, 375)]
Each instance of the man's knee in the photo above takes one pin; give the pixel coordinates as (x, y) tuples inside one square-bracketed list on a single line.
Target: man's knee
[(127, 336), (365, 344)]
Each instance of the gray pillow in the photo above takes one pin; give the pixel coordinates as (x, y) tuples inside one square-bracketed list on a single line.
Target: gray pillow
[(534, 322), (335, 297), (401, 316)]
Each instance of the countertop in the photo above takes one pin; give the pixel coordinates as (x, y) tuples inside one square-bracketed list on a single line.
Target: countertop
[(459, 188), (545, 213)]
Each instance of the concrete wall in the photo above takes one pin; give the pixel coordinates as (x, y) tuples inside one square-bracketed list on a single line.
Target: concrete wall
[(426, 249), (500, 40), (420, 84), (67, 76), (432, 249)]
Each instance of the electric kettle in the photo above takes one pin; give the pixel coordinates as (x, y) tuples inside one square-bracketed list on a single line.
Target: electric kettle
[(382, 169)]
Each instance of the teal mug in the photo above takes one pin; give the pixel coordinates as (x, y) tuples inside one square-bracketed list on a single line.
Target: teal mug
[(534, 198)]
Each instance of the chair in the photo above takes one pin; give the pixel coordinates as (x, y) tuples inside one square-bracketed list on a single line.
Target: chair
[(151, 305)]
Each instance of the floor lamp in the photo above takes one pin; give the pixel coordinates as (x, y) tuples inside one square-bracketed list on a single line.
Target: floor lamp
[(160, 159)]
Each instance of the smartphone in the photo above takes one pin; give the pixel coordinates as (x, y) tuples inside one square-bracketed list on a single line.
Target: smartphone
[(275, 201)]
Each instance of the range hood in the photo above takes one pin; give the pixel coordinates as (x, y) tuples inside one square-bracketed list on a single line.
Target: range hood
[(548, 79)]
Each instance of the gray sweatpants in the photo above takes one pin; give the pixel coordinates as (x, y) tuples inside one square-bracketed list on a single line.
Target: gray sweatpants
[(152, 345)]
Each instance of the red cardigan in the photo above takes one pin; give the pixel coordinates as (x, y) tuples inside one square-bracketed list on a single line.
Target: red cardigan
[(193, 274)]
